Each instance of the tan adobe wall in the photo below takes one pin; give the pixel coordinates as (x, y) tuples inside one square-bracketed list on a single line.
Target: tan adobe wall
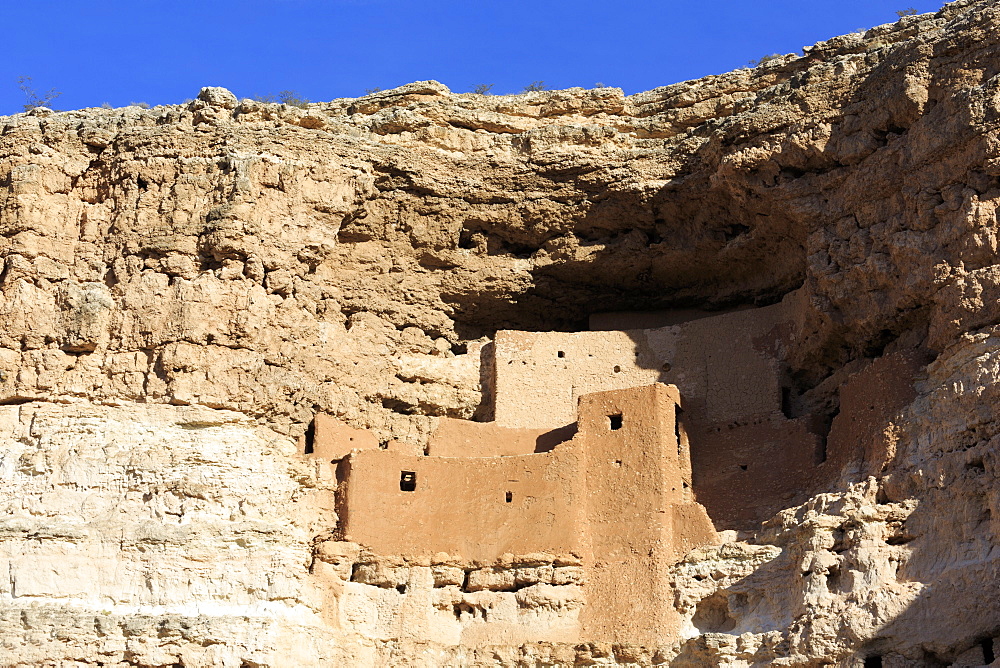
[(617, 496), (729, 370), (639, 510), (539, 376), (460, 506), (727, 365), (870, 401), (463, 438), (691, 527), (749, 460), (626, 320), (746, 473), (779, 462), (332, 439)]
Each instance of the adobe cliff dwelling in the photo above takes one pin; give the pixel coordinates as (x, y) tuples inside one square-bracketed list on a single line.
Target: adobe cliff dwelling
[(591, 516), (706, 375)]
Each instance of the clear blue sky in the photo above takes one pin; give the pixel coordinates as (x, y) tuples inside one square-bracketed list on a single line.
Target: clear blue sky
[(163, 51)]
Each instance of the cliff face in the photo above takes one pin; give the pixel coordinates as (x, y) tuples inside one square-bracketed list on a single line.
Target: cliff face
[(184, 287)]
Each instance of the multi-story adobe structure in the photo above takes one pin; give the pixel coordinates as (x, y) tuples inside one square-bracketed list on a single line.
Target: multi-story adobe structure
[(605, 451)]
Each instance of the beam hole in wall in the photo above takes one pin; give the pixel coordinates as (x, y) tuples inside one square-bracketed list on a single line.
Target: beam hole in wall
[(509, 496), (618, 369), (561, 353), (873, 661), (743, 467), (618, 462), (666, 366), (407, 481), (616, 421), (401, 589)]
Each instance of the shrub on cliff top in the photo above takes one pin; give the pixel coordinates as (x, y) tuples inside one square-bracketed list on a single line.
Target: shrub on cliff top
[(289, 97), (32, 98), (765, 59), (535, 86)]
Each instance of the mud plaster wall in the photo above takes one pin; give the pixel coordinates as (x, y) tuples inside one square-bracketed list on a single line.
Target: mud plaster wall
[(749, 459), (463, 438), (864, 433), (539, 376), (618, 494), (460, 506), (635, 482), (626, 320), (728, 365), (748, 472), (332, 439), (729, 369), (745, 448)]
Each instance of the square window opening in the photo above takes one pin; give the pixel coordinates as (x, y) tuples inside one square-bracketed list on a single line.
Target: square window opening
[(616, 421), (407, 481)]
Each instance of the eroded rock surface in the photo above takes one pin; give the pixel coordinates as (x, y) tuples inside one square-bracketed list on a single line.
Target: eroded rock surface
[(183, 288)]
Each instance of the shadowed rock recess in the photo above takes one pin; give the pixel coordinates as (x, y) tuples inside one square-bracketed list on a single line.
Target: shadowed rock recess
[(706, 375)]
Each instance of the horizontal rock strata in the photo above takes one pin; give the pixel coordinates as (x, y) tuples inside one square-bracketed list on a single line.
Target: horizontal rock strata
[(184, 288)]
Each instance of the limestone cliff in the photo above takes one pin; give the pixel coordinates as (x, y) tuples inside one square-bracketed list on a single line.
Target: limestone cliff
[(183, 288)]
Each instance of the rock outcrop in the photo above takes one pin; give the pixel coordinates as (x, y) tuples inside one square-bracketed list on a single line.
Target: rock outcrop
[(184, 288)]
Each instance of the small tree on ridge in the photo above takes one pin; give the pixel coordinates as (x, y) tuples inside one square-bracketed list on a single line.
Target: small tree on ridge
[(33, 99)]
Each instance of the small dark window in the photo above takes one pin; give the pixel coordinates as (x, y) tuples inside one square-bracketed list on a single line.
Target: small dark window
[(677, 430), (561, 353), (873, 661), (401, 589), (509, 497), (310, 438), (988, 655), (407, 481), (615, 421), (743, 467), (786, 403)]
